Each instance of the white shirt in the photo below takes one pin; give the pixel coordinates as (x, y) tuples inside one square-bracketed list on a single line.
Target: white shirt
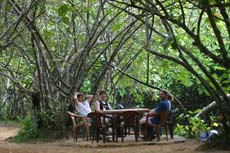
[(84, 108)]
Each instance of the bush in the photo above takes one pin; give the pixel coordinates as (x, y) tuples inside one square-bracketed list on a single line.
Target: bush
[(190, 126), (28, 131)]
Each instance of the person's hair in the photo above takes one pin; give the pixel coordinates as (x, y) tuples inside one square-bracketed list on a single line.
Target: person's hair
[(170, 98), (165, 92), (102, 92), (79, 95)]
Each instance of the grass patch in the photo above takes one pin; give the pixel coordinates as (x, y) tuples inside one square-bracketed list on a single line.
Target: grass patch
[(29, 133)]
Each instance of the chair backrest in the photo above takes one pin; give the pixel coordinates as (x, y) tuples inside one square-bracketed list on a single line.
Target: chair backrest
[(130, 118), (97, 118), (163, 117), (172, 116)]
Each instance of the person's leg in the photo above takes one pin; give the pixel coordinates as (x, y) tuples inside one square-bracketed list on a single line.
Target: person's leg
[(171, 130), (87, 125), (152, 132), (142, 120), (141, 125), (118, 128)]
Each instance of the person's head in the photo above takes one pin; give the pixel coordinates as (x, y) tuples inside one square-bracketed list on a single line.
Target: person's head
[(170, 98), (80, 97), (163, 95), (102, 95)]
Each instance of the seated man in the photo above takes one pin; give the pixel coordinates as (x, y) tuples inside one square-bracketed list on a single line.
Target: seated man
[(163, 105), (154, 114)]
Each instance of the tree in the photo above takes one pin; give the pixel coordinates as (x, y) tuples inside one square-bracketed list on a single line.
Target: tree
[(48, 49), (192, 34)]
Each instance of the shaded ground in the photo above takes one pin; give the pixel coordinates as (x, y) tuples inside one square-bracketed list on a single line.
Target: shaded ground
[(189, 146)]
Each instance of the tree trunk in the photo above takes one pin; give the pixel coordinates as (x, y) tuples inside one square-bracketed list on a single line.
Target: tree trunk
[(36, 110)]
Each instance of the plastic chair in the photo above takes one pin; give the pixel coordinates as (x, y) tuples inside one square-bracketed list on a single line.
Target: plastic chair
[(78, 118)]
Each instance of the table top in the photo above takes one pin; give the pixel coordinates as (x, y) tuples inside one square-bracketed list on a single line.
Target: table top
[(114, 111)]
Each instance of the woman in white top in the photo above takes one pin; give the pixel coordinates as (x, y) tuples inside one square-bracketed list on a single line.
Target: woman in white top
[(82, 105), (83, 108)]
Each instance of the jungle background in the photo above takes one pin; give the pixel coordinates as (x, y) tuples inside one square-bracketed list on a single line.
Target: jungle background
[(49, 49)]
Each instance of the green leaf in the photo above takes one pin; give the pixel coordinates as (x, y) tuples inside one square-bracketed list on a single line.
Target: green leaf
[(122, 92), (62, 11), (65, 19), (220, 68)]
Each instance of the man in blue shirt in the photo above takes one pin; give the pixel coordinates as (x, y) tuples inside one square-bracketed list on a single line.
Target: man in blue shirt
[(162, 106), (154, 114)]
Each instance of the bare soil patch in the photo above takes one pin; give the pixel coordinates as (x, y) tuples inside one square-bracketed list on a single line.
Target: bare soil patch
[(189, 146)]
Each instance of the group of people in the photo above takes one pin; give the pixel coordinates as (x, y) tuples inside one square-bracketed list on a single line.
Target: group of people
[(82, 105)]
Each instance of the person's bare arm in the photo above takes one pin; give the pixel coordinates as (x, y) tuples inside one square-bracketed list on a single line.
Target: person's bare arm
[(89, 98), (76, 99), (97, 107)]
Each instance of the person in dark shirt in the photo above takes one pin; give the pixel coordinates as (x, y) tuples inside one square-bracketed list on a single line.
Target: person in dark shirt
[(101, 104), (172, 116), (154, 114), (162, 106)]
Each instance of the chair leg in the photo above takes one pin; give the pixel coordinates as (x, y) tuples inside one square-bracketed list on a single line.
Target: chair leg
[(83, 133), (145, 133), (158, 132), (87, 133), (97, 135), (122, 135), (74, 134), (93, 134), (166, 132), (116, 134), (104, 137), (136, 133), (125, 130)]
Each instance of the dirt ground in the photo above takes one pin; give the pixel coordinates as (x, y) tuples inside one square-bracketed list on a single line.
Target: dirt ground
[(7, 132), (189, 146)]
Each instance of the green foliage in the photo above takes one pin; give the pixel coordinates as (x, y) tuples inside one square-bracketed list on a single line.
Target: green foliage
[(194, 126), (83, 29), (86, 87), (28, 130), (50, 119)]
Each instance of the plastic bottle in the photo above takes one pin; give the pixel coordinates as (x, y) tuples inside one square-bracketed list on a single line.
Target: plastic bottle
[(203, 137)]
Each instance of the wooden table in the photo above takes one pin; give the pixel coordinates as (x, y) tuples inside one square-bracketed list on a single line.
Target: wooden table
[(115, 112)]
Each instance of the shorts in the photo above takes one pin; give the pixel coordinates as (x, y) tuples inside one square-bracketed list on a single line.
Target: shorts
[(155, 120)]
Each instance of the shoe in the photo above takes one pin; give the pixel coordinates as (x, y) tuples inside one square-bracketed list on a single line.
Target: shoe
[(151, 138)]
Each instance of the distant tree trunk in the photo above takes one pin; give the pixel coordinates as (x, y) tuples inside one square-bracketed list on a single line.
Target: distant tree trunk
[(36, 109)]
